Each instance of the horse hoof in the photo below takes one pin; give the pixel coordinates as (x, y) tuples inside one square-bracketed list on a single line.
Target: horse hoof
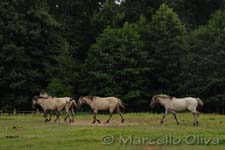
[(178, 123), (99, 121), (93, 122), (107, 121), (122, 121)]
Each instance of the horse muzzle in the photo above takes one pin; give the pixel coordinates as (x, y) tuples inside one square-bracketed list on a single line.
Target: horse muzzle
[(33, 106), (152, 105)]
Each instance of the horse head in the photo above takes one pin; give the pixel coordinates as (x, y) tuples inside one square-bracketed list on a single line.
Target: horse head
[(34, 101), (153, 101), (81, 101), (85, 99)]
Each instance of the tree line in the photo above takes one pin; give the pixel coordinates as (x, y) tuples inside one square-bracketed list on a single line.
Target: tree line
[(132, 50)]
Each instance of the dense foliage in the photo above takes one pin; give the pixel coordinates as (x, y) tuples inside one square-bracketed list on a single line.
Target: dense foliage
[(133, 50)]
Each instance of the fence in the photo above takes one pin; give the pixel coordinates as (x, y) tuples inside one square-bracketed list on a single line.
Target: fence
[(15, 112)]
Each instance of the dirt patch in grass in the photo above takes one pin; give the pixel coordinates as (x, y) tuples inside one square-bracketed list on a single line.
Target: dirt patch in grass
[(110, 124)]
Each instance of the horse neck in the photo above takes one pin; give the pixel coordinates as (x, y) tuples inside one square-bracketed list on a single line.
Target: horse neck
[(89, 102), (163, 102), (40, 103)]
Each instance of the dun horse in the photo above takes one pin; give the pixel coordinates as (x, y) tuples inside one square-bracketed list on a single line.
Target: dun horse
[(173, 104), (102, 103), (69, 107), (54, 104), (48, 104)]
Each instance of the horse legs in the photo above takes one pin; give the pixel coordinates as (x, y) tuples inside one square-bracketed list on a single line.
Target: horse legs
[(98, 120), (57, 116), (175, 117), (195, 118), (68, 115), (119, 112), (45, 115), (50, 116), (163, 118), (94, 116), (72, 112), (110, 115), (198, 114)]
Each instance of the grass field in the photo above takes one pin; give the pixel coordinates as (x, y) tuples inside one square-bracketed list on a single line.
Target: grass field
[(140, 131)]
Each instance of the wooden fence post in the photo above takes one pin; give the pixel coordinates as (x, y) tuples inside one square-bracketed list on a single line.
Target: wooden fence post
[(14, 111)]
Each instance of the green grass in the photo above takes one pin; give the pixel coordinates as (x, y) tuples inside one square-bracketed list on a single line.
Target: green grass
[(30, 132)]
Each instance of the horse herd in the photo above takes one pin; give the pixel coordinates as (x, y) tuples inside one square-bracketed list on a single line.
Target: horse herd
[(56, 105)]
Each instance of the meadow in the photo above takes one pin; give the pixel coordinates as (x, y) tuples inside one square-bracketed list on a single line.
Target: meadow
[(140, 131)]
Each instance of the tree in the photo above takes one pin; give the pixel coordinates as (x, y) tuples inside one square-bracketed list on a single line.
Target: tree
[(134, 9), (204, 75), (31, 46), (164, 41), (116, 65), (195, 12), (110, 14), (76, 18)]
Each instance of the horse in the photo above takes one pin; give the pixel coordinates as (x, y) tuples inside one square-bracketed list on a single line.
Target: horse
[(48, 104), (173, 104), (56, 105), (102, 103)]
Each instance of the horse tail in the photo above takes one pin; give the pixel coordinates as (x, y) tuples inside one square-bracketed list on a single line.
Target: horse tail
[(200, 103), (121, 105)]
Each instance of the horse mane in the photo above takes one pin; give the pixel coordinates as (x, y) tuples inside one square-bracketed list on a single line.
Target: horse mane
[(91, 97), (165, 96), (36, 97)]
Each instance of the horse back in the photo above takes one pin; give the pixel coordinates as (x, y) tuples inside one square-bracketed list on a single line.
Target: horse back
[(104, 103)]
